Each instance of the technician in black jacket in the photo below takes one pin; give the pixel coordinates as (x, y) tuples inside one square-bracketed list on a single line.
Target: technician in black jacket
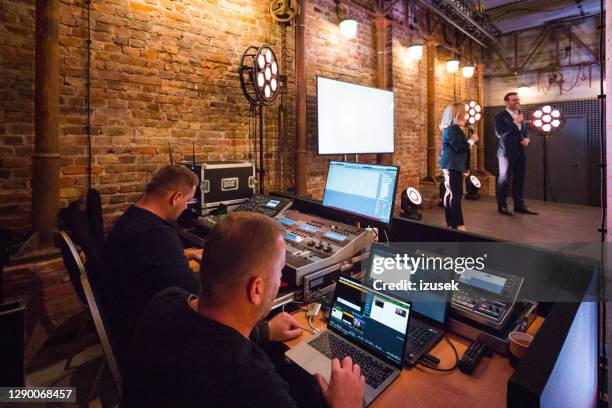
[(455, 161), (511, 130)]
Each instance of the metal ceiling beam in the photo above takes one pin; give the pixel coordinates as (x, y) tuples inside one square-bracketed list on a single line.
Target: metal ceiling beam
[(451, 22), (463, 13)]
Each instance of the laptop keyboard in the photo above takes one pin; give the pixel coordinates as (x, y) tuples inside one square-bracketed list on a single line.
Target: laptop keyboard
[(331, 346), (420, 335)]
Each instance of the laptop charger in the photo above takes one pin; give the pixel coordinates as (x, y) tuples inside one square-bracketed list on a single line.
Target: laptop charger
[(313, 310)]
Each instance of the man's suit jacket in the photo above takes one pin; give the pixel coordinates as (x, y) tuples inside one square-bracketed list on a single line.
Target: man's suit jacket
[(509, 136)]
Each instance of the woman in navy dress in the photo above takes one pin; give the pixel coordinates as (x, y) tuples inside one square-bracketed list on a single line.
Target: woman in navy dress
[(455, 161)]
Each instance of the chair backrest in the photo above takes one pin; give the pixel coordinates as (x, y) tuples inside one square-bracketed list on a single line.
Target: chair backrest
[(77, 224), (72, 261), (103, 333), (93, 208)]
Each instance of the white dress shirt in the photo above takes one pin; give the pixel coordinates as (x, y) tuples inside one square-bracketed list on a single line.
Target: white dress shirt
[(514, 115)]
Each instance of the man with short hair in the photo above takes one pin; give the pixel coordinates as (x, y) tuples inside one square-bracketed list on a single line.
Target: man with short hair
[(144, 254), (195, 351), (511, 130)]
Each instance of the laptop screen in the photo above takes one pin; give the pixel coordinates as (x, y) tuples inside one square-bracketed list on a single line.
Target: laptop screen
[(431, 304), (371, 319)]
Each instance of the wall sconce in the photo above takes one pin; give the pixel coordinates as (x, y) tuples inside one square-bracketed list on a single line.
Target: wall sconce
[(415, 52), (468, 71), (452, 66), (523, 90), (348, 28)]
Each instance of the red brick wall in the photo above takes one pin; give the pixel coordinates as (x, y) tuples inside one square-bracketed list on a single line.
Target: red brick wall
[(166, 71)]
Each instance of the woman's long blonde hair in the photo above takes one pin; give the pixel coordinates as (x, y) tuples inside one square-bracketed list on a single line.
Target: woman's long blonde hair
[(453, 112)]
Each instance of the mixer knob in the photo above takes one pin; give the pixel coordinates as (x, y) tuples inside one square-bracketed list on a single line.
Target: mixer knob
[(319, 245), (311, 243), (327, 249)]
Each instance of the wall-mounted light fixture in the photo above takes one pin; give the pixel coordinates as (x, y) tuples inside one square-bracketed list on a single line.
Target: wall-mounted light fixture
[(415, 52), (348, 25), (452, 66), (523, 90), (468, 71)]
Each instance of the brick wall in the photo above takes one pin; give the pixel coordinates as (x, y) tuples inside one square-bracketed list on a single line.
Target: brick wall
[(166, 71)]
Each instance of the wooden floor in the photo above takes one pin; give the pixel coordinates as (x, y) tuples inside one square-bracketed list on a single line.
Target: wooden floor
[(558, 225)]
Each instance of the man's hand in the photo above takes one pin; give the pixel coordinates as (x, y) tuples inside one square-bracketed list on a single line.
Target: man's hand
[(345, 388), (519, 118), (525, 141), (194, 253), (467, 173), (283, 327), (474, 137)]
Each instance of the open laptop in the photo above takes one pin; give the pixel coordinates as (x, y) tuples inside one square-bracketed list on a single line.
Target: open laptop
[(427, 325), (366, 325)]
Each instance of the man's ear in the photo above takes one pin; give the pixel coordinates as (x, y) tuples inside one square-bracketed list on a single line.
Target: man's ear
[(175, 197), (255, 290)]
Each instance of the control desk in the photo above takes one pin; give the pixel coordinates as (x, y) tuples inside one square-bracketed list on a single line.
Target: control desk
[(314, 243)]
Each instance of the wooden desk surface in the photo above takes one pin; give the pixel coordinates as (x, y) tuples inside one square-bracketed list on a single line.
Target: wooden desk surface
[(421, 387)]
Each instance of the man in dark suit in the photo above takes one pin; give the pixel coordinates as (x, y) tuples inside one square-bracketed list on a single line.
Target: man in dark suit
[(511, 130)]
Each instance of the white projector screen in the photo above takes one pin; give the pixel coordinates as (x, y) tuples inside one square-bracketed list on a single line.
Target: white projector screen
[(353, 118)]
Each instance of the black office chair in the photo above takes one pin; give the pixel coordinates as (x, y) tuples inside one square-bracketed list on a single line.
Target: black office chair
[(85, 293)]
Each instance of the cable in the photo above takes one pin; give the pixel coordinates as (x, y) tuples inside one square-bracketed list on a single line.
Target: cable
[(314, 329), (420, 362), (386, 237)]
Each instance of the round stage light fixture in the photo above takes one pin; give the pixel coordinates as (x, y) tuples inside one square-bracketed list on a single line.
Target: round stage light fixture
[(473, 109), (259, 75), (472, 188), (452, 66), (545, 119), (348, 28), (411, 203)]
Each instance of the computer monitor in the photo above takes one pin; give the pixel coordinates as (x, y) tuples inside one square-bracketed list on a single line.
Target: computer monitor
[(366, 190), (432, 304)]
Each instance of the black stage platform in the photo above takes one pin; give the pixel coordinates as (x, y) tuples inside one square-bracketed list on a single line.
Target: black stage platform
[(556, 224)]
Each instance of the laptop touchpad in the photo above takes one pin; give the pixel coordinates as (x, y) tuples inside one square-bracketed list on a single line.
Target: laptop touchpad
[(321, 365)]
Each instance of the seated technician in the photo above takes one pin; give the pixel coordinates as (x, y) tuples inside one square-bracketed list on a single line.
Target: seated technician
[(144, 253), (196, 351)]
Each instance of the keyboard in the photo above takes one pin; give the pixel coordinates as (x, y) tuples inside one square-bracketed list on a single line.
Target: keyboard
[(420, 335), (332, 346)]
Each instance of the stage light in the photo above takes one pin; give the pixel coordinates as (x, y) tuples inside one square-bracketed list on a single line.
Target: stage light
[(415, 52), (545, 119), (468, 71), (452, 66), (259, 75), (411, 203), (348, 28), (472, 188), (472, 112)]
